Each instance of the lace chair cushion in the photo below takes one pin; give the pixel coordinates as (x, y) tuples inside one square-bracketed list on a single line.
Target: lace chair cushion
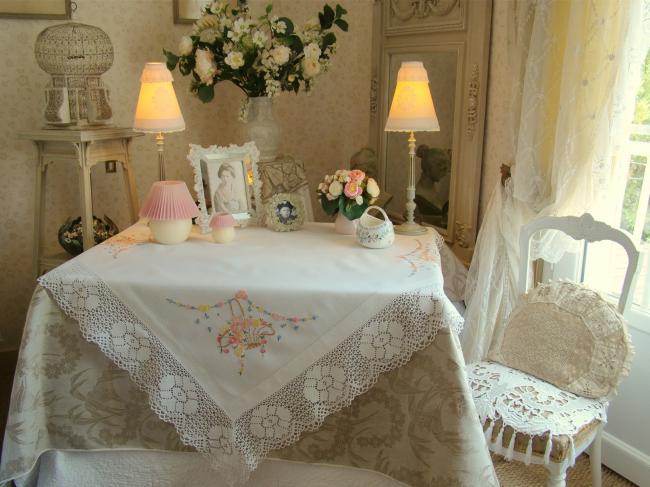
[(547, 421), (568, 335)]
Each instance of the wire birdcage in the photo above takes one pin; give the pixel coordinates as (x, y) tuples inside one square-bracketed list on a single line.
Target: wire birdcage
[(75, 55)]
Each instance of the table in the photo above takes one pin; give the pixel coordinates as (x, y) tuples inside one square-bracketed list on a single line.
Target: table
[(84, 148), (416, 423)]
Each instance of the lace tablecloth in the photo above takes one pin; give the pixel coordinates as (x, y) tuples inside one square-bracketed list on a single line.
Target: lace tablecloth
[(129, 295)]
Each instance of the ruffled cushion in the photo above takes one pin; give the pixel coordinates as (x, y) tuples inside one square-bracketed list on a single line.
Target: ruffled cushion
[(568, 335), (547, 421)]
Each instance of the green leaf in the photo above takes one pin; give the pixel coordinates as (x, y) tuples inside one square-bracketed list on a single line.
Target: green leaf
[(330, 206), (172, 59), (328, 40), (343, 25), (295, 43), (289, 25), (206, 93), (328, 13), (269, 7), (350, 209), (340, 11)]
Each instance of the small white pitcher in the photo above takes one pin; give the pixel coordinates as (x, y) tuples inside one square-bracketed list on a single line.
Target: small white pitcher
[(373, 232)]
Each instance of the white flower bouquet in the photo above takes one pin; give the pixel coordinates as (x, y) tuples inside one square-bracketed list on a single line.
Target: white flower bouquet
[(347, 191), (263, 56)]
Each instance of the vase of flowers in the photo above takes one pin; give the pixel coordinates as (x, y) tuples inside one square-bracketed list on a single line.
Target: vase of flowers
[(347, 194), (263, 56)]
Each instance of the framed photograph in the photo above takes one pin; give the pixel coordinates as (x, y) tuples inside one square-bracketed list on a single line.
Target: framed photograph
[(224, 180), (285, 212), (35, 9), (187, 11)]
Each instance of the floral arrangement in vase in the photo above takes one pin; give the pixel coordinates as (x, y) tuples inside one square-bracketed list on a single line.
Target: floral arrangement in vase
[(263, 56), (348, 193)]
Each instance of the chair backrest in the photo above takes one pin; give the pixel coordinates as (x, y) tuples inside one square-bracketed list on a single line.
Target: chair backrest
[(579, 228)]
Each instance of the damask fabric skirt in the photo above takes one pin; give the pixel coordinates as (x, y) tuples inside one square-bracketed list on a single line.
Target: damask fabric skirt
[(417, 425)]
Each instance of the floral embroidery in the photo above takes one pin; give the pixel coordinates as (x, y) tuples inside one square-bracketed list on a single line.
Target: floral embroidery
[(130, 343), (178, 395), (381, 341), (82, 296), (219, 438), (248, 327), (270, 422), (324, 383), (119, 243), (421, 257)]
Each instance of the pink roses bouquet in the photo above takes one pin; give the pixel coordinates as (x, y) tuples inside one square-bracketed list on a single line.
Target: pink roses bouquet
[(347, 191)]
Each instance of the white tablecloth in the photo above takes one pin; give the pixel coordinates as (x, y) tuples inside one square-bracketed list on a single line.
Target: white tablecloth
[(245, 346)]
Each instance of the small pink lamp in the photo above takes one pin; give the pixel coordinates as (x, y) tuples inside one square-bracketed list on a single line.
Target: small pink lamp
[(223, 227), (170, 209)]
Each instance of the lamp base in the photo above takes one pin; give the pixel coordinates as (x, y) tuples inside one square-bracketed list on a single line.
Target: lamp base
[(407, 228)]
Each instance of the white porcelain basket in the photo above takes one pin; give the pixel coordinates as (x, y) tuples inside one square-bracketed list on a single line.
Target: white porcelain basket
[(373, 232)]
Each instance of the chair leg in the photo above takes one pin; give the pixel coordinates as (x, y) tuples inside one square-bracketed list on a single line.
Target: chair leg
[(595, 459), (557, 475)]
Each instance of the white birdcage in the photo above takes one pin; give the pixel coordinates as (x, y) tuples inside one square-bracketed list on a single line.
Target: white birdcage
[(75, 55)]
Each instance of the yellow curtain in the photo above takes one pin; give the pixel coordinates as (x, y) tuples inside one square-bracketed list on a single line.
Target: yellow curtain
[(571, 60)]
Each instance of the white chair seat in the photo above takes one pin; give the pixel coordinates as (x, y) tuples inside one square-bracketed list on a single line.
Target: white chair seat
[(523, 414)]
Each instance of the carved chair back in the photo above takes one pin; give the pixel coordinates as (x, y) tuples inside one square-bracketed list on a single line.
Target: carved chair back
[(579, 228)]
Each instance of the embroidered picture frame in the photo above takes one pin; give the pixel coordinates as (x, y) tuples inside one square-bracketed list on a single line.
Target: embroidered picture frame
[(285, 212), (225, 180)]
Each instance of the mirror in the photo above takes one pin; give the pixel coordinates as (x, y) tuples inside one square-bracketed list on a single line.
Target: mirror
[(433, 164), (451, 38)]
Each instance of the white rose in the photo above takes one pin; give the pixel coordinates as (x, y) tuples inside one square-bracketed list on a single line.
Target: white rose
[(235, 59), (280, 27), (372, 187), (280, 55), (205, 67), (336, 188), (259, 38), (310, 67), (359, 200), (312, 51), (185, 46)]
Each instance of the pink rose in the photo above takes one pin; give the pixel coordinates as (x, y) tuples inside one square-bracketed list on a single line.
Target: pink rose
[(357, 175), (352, 189), (241, 295)]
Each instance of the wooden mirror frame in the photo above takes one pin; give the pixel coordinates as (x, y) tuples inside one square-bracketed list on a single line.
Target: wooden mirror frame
[(425, 26)]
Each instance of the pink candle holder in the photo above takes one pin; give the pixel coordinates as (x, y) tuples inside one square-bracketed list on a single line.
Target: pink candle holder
[(170, 209)]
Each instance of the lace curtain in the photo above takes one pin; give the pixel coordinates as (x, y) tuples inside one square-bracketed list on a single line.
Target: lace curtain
[(573, 68)]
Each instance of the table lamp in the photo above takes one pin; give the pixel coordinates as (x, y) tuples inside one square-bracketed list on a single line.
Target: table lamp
[(157, 110), (412, 111)]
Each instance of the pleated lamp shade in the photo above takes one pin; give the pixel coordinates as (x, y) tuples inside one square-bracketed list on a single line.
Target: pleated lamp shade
[(169, 200), (412, 108), (157, 109)]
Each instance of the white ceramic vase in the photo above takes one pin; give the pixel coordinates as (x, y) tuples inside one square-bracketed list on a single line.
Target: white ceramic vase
[(345, 226), (262, 127), (170, 231)]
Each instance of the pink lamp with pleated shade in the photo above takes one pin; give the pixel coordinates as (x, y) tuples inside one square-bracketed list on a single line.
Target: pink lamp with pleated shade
[(170, 209)]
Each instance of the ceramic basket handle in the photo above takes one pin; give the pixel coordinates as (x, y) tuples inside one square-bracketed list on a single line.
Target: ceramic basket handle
[(381, 210)]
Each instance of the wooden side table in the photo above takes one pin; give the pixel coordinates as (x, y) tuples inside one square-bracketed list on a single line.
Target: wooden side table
[(85, 148)]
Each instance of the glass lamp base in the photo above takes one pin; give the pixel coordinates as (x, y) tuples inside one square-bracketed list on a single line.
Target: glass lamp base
[(410, 229)]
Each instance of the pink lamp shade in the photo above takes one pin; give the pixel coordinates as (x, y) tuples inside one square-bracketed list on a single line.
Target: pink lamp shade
[(169, 200), (222, 220)]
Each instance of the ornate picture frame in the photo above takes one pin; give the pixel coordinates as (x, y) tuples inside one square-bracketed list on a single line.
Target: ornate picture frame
[(187, 11), (21, 9), (285, 212), (229, 175)]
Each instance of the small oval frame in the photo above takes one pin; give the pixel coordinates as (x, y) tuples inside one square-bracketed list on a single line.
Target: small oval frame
[(275, 222)]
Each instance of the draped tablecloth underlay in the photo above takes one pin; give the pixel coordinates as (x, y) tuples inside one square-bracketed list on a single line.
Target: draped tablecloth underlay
[(245, 348)]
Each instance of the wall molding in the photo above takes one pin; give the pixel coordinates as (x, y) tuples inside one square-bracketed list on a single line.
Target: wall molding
[(626, 460)]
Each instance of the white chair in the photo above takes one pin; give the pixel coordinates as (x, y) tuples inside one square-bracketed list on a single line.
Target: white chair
[(528, 419)]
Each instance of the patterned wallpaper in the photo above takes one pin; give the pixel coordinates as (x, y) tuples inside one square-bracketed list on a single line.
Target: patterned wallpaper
[(323, 129)]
